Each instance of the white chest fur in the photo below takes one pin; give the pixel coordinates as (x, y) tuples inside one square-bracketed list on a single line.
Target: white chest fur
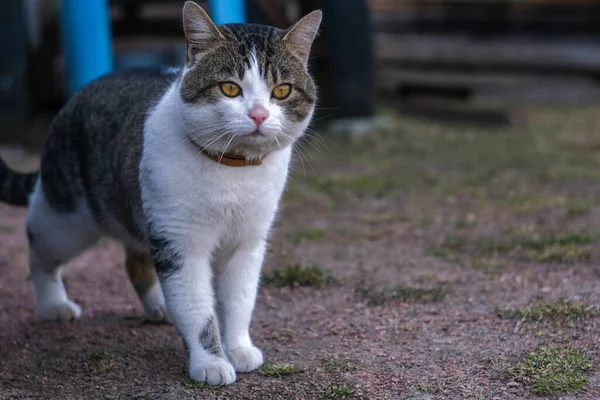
[(196, 200)]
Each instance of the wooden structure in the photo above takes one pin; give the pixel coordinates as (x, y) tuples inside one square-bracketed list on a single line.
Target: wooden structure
[(497, 51)]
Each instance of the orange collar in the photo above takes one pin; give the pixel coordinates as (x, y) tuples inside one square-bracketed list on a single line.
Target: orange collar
[(232, 160)]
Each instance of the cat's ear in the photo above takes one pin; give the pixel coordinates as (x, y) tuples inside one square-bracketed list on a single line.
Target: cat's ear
[(299, 38), (200, 31)]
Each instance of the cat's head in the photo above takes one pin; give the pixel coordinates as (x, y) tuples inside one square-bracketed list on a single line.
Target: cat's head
[(245, 88)]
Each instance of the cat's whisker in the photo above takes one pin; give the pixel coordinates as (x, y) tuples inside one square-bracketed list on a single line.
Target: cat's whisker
[(226, 145), (306, 149), (314, 172), (323, 117), (300, 152), (309, 165), (216, 128), (311, 140), (317, 138), (277, 141), (314, 134), (212, 139), (211, 142), (303, 157), (299, 143), (301, 161)]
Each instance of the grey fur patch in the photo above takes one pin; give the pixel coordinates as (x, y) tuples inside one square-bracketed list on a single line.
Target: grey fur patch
[(166, 261), (94, 147), (210, 337)]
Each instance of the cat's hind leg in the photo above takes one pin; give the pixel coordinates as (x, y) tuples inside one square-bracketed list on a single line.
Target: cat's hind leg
[(55, 237), (142, 276)]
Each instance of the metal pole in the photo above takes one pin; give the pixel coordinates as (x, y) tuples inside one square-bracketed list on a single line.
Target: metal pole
[(86, 41)]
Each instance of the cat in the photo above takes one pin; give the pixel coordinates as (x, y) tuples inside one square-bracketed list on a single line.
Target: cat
[(186, 168)]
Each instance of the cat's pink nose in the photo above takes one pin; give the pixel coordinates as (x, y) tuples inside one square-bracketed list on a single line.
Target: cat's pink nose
[(258, 115)]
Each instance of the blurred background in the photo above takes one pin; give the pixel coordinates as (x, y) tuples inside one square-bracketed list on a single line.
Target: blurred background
[(464, 59), (50, 48), (447, 196)]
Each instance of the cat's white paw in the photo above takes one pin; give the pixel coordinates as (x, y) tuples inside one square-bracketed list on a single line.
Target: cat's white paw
[(217, 372), (245, 359), (65, 311), (158, 314)]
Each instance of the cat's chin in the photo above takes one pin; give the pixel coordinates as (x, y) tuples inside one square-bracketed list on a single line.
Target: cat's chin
[(256, 145), (257, 138), (255, 134)]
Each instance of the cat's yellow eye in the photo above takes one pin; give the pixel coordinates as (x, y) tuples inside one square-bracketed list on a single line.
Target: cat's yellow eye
[(230, 89), (282, 91)]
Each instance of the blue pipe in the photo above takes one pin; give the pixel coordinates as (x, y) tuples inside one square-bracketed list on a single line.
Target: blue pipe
[(86, 41), (227, 11)]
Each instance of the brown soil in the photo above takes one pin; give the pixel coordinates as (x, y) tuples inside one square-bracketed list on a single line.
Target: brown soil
[(451, 210)]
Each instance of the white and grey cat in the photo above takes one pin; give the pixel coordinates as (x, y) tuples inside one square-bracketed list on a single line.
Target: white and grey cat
[(185, 168)]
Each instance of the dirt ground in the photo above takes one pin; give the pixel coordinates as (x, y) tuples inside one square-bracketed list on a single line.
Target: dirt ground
[(449, 248)]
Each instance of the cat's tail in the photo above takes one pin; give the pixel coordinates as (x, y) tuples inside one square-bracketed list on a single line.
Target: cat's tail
[(15, 187)]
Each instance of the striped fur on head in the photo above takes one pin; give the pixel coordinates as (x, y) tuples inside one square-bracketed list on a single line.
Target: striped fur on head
[(257, 58)]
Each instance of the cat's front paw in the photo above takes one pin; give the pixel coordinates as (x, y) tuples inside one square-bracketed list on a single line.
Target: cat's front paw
[(218, 372), (65, 311), (245, 359)]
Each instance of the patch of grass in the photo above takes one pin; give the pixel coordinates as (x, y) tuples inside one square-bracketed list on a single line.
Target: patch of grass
[(340, 391), (553, 370), (337, 365), (101, 361), (311, 235), (453, 246), (525, 203), (276, 369), (295, 275), (578, 209), (445, 254), (419, 294), (568, 248), (281, 334), (97, 355), (567, 254), (428, 276), (376, 296), (569, 239), (562, 308), (426, 389), (191, 384)]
